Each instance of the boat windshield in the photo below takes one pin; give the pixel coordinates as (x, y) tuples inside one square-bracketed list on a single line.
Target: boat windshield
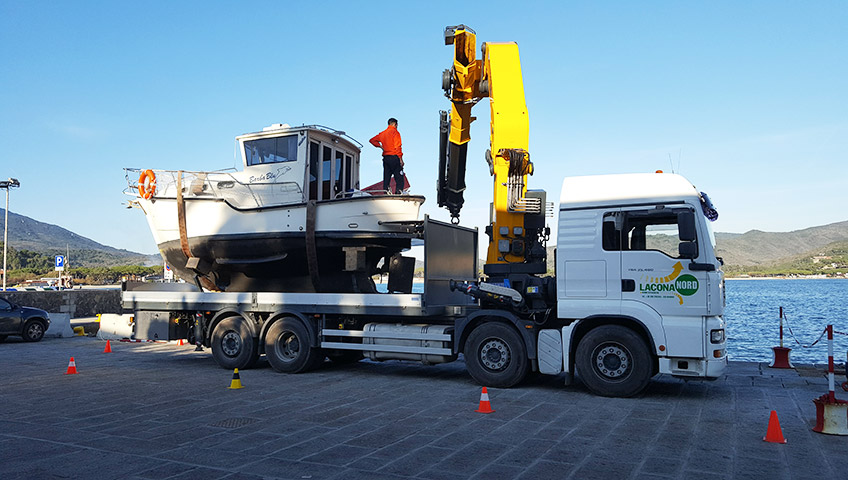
[(270, 150)]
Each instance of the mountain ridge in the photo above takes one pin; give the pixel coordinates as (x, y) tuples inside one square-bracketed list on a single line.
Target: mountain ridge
[(759, 248), (26, 233)]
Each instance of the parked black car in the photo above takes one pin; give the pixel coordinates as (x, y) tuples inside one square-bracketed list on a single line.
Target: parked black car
[(30, 323)]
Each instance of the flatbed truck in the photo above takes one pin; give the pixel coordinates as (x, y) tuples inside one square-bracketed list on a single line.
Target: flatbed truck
[(637, 291)]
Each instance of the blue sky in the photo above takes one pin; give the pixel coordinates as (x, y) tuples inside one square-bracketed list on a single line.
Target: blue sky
[(747, 99)]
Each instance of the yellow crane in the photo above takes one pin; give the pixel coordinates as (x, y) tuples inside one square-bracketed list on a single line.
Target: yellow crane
[(517, 231)]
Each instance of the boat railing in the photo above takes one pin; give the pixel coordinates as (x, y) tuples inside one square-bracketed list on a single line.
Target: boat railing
[(220, 185)]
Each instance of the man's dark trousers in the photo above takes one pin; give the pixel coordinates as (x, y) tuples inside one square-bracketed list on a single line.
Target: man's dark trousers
[(391, 166)]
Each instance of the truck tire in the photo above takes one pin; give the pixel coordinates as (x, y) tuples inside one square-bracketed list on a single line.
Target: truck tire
[(495, 355), (613, 361), (287, 347), (33, 331), (233, 345)]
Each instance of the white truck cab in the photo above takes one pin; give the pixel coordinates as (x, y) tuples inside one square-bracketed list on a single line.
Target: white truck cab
[(637, 251)]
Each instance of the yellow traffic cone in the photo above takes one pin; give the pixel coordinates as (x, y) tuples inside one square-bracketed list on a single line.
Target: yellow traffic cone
[(236, 383)]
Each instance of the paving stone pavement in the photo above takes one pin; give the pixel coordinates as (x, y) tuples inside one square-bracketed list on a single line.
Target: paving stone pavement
[(155, 411)]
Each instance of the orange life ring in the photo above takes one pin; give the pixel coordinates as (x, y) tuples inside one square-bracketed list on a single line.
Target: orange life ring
[(147, 184)]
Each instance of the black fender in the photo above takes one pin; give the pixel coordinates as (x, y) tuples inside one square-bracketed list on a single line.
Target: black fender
[(314, 337), (228, 312), (465, 325)]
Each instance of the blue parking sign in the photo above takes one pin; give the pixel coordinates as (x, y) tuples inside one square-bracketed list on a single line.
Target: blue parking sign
[(60, 261)]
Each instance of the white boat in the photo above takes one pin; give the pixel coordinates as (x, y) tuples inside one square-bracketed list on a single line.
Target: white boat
[(294, 219)]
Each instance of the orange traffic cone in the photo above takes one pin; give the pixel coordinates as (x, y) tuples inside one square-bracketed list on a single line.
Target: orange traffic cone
[(485, 406), (108, 348), (72, 367), (774, 434)]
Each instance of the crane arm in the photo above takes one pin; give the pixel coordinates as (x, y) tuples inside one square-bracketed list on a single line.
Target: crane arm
[(517, 220), (460, 84)]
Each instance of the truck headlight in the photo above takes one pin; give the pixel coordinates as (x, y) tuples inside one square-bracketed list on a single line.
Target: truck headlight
[(717, 336)]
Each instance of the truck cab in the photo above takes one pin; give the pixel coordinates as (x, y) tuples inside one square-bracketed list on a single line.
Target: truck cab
[(637, 251)]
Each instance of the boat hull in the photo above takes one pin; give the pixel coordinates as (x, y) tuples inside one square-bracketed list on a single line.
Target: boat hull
[(265, 249)]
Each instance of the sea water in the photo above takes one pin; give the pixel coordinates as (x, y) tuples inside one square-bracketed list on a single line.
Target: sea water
[(752, 315), (753, 324)]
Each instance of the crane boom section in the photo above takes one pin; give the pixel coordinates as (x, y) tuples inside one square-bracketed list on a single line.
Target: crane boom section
[(510, 126), (464, 94), (510, 133)]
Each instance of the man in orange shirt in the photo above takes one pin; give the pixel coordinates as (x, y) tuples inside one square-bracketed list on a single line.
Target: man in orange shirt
[(389, 141)]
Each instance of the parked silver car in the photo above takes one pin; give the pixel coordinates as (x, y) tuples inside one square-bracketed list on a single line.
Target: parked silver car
[(29, 323)]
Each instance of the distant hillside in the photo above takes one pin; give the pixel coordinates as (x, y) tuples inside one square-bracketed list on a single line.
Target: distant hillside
[(26, 233), (831, 259), (757, 248)]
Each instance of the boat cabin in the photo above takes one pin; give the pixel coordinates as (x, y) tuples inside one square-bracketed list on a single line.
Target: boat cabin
[(284, 164)]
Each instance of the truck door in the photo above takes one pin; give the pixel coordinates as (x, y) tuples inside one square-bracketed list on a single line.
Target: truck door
[(588, 263), (660, 278)]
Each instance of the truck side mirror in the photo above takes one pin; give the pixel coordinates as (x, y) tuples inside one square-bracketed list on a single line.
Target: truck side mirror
[(688, 250), (686, 226)]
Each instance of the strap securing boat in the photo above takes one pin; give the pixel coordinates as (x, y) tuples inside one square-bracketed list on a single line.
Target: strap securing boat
[(181, 217), (311, 249)]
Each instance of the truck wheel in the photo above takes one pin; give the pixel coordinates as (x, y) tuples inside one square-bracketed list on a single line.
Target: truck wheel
[(233, 346), (33, 331), (287, 347), (495, 355), (613, 361)]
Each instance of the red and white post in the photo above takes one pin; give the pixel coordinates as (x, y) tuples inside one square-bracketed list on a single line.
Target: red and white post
[(831, 383), (781, 354), (831, 414)]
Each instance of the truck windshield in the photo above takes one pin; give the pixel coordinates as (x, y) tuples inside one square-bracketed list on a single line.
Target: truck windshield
[(711, 234)]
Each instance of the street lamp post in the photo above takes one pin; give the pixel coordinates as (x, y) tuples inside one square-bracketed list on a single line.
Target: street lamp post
[(7, 184)]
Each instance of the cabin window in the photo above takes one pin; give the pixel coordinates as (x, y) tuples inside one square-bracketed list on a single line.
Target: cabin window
[(314, 166), (326, 174), (348, 175), (270, 150), (654, 229), (337, 173), (331, 171)]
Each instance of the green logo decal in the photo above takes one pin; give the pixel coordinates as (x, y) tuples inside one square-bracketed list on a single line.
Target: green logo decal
[(686, 285), (674, 285)]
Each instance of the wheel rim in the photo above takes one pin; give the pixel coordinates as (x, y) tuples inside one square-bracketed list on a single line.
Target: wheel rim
[(612, 361), (231, 343), (495, 354), (288, 347), (34, 330)]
